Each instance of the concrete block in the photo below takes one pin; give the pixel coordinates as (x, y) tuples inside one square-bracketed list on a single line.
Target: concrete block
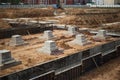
[(79, 40), (60, 26), (6, 60), (50, 48), (48, 35), (101, 35), (84, 30), (16, 40), (71, 31)]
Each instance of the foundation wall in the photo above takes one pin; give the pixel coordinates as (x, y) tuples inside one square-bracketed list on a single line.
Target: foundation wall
[(46, 76), (71, 66), (22, 30)]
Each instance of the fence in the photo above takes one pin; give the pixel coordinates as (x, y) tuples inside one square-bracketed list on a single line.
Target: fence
[(106, 6), (40, 6), (24, 6), (65, 6)]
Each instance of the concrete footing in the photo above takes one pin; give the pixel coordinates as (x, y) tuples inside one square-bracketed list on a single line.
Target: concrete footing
[(79, 40), (6, 60), (48, 35), (101, 35), (50, 48), (17, 40), (71, 31)]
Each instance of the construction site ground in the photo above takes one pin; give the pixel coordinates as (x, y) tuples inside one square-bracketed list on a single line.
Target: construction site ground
[(109, 71), (29, 55), (86, 17), (82, 18)]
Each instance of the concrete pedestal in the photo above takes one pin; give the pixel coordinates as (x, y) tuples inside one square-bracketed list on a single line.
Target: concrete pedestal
[(16, 40), (50, 48), (48, 35), (71, 31), (79, 40), (101, 35), (6, 60)]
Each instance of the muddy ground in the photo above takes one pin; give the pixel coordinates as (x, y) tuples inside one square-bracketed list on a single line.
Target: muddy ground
[(109, 71)]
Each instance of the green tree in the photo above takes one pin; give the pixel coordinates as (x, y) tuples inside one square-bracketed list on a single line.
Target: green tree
[(15, 1), (58, 4)]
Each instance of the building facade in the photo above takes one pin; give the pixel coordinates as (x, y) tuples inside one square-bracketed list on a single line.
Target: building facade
[(107, 2), (66, 2)]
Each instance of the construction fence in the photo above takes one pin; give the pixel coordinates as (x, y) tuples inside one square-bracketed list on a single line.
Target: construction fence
[(64, 6)]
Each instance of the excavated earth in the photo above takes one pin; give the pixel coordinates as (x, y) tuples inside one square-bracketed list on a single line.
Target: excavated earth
[(109, 71), (92, 18)]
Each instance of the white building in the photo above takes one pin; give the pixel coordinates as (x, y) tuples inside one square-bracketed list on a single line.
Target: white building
[(107, 2)]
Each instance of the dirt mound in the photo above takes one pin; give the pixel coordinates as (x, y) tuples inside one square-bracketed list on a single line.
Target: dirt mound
[(90, 16), (74, 11), (79, 11), (18, 13), (92, 19), (114, 28)]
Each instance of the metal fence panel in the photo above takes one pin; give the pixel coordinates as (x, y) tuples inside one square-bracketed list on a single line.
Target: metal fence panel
[(64, 6)]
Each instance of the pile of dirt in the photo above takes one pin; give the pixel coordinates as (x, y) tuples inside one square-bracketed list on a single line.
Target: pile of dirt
[(73, 11), (114, 28), (71, 20), (20, 13), (90, 16), (79, 11), (91, 19)]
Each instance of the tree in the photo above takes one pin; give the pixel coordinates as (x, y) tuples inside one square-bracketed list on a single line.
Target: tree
[(58, 4)]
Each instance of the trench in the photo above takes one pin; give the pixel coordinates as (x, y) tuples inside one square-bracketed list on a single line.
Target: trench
[(23, 29)]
